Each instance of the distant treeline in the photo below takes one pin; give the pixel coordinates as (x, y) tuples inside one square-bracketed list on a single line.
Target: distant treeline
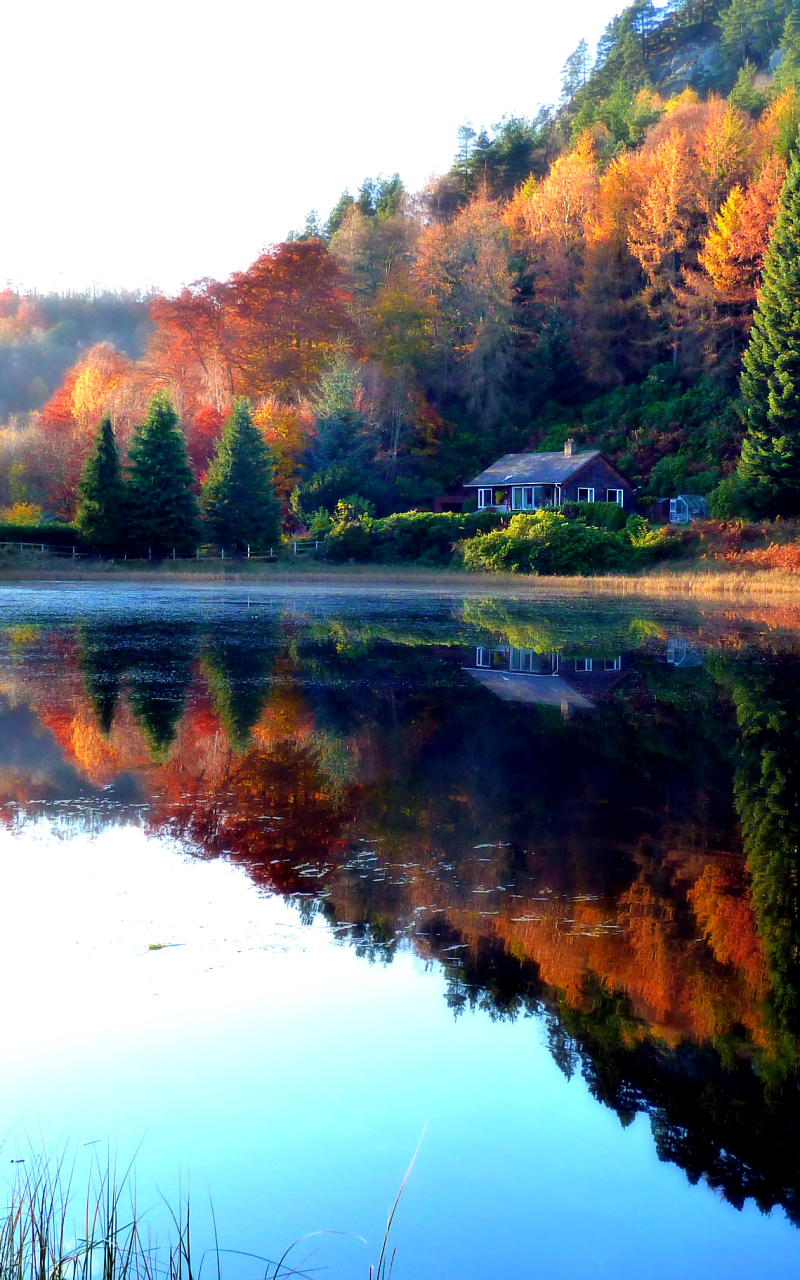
[(42, 335)]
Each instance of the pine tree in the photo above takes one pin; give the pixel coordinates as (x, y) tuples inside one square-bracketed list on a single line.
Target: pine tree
[(162, 509), (769, 471), (101, 493), (238, 499)]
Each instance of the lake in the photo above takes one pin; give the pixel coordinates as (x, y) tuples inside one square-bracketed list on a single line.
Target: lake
[(292, 879)]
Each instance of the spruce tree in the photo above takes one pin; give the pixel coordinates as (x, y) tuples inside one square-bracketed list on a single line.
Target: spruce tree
[(101, 493), (238, 498), (768, 476), (162, 509)]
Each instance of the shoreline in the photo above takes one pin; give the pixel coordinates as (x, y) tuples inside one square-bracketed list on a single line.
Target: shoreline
[(720, 585)]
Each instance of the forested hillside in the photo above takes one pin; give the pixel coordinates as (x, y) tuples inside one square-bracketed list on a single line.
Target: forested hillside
[(590, 271)]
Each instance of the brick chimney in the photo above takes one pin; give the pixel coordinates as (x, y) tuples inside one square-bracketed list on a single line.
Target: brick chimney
[(569, 447)]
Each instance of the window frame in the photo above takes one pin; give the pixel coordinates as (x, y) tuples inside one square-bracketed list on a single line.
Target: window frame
[(586, 489), (619, 499)]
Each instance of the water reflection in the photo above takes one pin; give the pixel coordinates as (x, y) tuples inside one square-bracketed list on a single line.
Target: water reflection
[(594, 822)]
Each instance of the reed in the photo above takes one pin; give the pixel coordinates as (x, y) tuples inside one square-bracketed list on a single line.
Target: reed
[(62, 1220)]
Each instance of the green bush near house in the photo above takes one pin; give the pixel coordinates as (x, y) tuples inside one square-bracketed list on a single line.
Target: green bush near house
[(603, 515), (418, 537), (546, 542)]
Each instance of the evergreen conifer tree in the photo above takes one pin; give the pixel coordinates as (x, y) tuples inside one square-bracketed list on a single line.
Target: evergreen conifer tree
[(238, 498), (162, 509), (101, 493), (768, 476)]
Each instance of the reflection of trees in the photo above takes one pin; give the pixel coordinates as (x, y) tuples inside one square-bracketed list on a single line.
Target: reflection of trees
[(766, 694), (159, 671), (102, 660), (235, 665), (588, 870)]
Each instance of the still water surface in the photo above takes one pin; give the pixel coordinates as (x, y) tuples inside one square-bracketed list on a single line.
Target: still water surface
[(287, 877)]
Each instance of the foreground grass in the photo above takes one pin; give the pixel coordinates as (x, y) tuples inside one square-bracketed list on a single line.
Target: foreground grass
[(58, 1225)]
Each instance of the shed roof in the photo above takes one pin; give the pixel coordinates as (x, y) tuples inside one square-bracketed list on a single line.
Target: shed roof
[(534, 468)]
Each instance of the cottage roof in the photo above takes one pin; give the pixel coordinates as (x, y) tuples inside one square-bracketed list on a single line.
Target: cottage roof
[(534, 468), (542, 691)]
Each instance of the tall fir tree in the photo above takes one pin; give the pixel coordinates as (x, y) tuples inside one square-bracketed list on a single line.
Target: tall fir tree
[(162, 509), (101, 493), (768, 475), (238, 498)]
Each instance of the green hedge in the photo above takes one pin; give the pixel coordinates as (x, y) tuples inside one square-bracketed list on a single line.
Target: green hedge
[(603, 515), (418, 537), (51, 534)]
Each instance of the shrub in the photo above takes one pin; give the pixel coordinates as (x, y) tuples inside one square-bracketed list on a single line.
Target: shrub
[(545, 542), (604, 515), (24, 513), (49, 534), (420, 537), (426, 537)]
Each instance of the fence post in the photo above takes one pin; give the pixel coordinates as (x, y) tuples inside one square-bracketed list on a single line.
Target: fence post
[(174, 557), (222, 554), (42, 546), (248, 551), (73, 553), (198, 553), (149, 553), (295, 547)]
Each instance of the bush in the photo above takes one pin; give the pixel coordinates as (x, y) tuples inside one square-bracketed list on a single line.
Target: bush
[(603, 515), (419, 537), (49, 533), (426, 537), (545, 542)]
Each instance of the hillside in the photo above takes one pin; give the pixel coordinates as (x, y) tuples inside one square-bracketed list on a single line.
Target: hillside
[(590, 271)]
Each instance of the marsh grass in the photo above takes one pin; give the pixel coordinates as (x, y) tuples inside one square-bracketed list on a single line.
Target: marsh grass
[(62, 1220)]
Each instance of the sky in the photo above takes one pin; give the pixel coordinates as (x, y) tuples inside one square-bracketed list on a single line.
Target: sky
[(149, 144)]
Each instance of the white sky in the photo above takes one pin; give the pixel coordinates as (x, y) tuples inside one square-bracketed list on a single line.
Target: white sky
[(156, 142)]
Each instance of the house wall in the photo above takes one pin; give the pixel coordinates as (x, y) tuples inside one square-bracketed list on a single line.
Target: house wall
[(598, 475)]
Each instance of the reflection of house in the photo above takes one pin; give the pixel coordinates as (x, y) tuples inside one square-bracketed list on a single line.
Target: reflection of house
[(528, 481), (545, 679), (681, 654)]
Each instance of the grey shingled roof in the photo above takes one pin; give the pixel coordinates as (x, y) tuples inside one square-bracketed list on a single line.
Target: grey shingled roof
[(533, 468)]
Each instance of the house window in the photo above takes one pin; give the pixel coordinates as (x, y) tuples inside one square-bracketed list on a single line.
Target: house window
[(615, 495), (586, 495), (583, 664), (522, 499), (481, 657), (522, 660), (484, 498), (612, 664)]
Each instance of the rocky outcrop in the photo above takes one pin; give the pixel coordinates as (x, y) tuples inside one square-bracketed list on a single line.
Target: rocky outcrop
[(700, 65)]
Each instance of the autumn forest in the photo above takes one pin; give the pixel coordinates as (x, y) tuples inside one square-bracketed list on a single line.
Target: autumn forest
[(590, 271)]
